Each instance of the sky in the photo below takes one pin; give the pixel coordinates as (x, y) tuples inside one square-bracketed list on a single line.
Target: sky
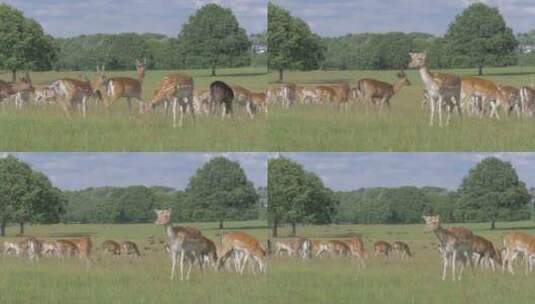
[(340, 17), (66, 18), (351, 171), (74, 171)]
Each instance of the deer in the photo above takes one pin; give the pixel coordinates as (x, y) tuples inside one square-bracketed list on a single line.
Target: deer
[(257, 103), (239, 241), (285, 94), (17, 248), (443, 89), (483, 249), (342, 92), (527, 100), (111, 247), (382, 248), (84, 246), (455, 245), (306, 95), (401, 249), (516, 243), (115, 88), (129, 248), (484, 94), (338, 248), (201, 102), (356, 247), (183, 241), (325, 94), (34, 249), (72, 92), (294, 247), (177, 88), (208, 252), (319, 247), (510, 99), (371, 90), (66, 248), (221, 97), (48, 247)]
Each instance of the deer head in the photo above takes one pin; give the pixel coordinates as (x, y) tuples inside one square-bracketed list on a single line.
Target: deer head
[(417, 60), (431, 222), (163, 217), (403, 78), (98, 79), (140, 67)]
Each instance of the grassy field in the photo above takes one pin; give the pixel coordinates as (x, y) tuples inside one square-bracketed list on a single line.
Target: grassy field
[(337, 280), (39, 128), (404, 128), (113, 280)]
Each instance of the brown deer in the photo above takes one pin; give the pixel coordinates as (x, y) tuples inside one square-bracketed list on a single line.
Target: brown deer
[(208, 252), (129, 248), (251, 248), (294, 247), (177, 88), (444, 90), (455, 245), (84, 246), (71, 93), (382, 248), (342, 92), (338, 248), (66, 248), (325, 94), (284, 94), (183, 241), (374, 91), (516, 243), (16, 248), (401, 249), (510, 99), (221, 97), (115, 88), (484, 250), (356, 246), (111, 247), (257, 104)]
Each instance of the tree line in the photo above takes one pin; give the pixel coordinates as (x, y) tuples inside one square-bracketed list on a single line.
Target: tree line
[(490, 192), (219, 191), (478, 37)]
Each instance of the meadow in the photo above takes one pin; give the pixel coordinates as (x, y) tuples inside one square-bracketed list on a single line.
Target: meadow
[(404, 128), (45, 128), (391, 280), (124, 280)]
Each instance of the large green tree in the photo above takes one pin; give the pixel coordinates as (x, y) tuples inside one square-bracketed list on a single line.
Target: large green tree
[(492, 191), (220, 191), (291, 43), (297, 196), (479, 37), (26, 195), (23, 43), (214, 37)]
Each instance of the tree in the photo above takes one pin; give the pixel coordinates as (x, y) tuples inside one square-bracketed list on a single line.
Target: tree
[(214, 37), (296, 196), (26, 195), (220, 191), (479, 37), (291, 43), (23, 43), (492, 191)]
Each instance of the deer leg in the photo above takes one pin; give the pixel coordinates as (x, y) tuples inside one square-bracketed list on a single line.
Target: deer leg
[(182, 110), (243, 263), (173, 265), (182, 256), (432, 105), (84, 106), (445, 266), (440, 105), (453, 262), (175, 101)]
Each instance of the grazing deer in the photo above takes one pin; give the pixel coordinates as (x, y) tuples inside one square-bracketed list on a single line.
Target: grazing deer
[(72, 92), (183, 241), (232, 242), (44, 95), (516, 243), (17, 248), (371, 90), (319, 247), (48, 247), (509, 98), (342, 92), (201, 102), (129, 248), (483, 249), (84, 246), (480, 92), (455, 245), (34, 249), (221, 97), (401, 249), (338, 248), (527, 100), (208, 252), (443, 89), (382, 248), (356, 246), (66, 248), (242, 96), (115, 88), (284, 94), (299, 247), (257, 104), (177, 88), (306, 95), (111, 247)]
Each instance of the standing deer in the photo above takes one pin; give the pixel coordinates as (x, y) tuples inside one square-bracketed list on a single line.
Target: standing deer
[(112, 89), (455, 245), (516, 243), (401, 249), (66, 248), (371, 90), (111, 247), (527, 100), (232, 242), (34, 249), (443, 89), (84, 246), (183, 241), (221, 97), (356, 246), (178, 89), (71, 93)]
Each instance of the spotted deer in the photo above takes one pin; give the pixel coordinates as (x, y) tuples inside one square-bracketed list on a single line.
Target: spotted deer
[(130, 249), (183, 241), (66, 248), (382, 248), (71, 93), (356, 246), (16, 248), (178, 89), (300, 247), (444, 89), (455, 245), (527, 100), (84, 246), (484, 251), (401, 249), (252, 249), (111, 247), (374, 91), (516, 243), (208, 253)]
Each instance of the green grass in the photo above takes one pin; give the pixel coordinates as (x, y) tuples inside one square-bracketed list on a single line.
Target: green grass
[(40, 128), (113, 280), (404, 128), (337, 280)]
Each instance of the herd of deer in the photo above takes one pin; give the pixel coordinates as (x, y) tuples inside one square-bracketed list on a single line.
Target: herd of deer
[(235, 251), (175, 91)]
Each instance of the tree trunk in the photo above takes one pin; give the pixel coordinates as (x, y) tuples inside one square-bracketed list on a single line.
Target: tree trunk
[(14, 75), (3, 229), (294, 229), (213, 70), (274, 231), (493, 225), (281, 75), (480, 70), (21, 232), (220, 224)]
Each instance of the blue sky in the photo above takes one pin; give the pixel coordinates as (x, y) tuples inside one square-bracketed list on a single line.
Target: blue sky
[(339, 17), (71, 171), (74, 17), (347, 171)]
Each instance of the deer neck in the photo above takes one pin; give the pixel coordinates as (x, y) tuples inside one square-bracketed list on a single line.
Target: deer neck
[(427, 78), (168, 228), (441, 234), (398, 85), (140, 76)]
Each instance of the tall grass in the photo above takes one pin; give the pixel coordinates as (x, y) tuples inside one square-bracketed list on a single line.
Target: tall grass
[(45, 128), (404, 128)]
